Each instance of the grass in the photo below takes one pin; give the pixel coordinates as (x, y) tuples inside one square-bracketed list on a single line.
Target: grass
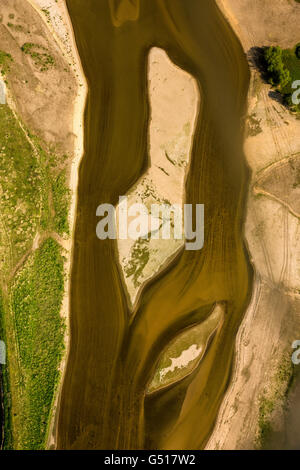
[(198, 336), (37, 294), (5, 61), (273, 399), (5, 383), (47, 14), (283, 68), (292, 63), (40, 56)]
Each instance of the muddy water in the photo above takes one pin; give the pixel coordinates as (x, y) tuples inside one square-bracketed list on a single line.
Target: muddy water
[(114, 352)]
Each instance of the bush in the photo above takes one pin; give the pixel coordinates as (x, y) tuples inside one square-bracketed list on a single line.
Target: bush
[(277, 73), (282, 69)]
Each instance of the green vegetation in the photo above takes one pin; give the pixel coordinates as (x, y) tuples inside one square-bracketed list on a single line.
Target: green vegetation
[(273, 399), (139, 257), (283, 68), (40, 56), (21, 187), (278, 73), (5, 383), (5, 60), (47, 14), (36, 299), (15, 27), (61, 201), (34, 200), (253, 125), (183, 354)]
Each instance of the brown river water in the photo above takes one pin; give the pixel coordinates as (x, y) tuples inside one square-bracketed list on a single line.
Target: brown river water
[(113, 351)]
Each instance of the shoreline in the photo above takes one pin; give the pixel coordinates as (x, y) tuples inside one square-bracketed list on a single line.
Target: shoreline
[(254, 295), (161, 310), (252, 376)]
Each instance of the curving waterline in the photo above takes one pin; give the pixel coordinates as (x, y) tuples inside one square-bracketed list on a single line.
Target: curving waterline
[(114, 352)]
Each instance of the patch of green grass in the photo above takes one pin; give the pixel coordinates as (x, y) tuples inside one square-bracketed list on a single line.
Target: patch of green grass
[(15, 27), (32, 196), (253, 125), (37, 295), (21, 185), (266, 407), (61, 201)]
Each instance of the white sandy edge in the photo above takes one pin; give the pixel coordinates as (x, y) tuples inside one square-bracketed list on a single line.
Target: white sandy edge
[(78, 130)]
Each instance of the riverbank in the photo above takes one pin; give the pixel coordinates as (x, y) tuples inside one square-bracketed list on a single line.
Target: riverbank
[(45, 99)]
